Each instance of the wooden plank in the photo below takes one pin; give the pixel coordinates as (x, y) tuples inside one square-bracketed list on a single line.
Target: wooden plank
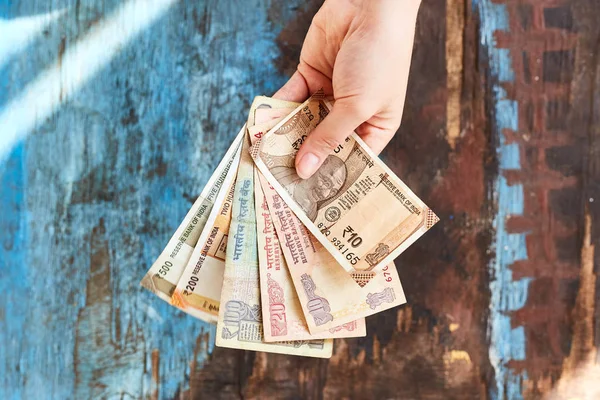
[(500, 136), (581, 158), (435, 347)]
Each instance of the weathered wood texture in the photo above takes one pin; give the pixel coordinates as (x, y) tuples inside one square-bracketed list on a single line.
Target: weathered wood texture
[(131, 104)]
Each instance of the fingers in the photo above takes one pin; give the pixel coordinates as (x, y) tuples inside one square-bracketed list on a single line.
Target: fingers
[(305, 81), (344, 118), (296, 89), (376, 138)]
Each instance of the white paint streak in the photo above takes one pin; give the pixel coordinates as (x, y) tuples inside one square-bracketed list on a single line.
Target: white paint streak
[(80, 62), (17, 33), (153, 314)]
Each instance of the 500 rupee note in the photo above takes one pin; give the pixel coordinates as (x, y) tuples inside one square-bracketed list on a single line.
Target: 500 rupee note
[(359, 210), (265, 108), (198, 292), (163, 276)]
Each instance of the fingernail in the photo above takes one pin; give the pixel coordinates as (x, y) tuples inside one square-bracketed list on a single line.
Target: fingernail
[(308, 165)]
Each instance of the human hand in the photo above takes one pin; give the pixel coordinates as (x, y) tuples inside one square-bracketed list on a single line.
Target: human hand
[(359, 51)]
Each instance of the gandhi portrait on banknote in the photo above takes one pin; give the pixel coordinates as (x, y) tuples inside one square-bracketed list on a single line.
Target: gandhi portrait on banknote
[(320, 187)]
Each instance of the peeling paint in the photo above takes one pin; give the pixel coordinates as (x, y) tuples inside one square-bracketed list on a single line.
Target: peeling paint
[(455, 24), (581, 372), (131, 147), (507, 342), (457, 356)]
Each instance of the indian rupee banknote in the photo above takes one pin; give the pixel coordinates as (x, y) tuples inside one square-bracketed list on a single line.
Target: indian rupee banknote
[(268, 108), (329, 295), (262, 115), (165, 273), (240, 323), (198, 291), (359, 210), (283, 318)]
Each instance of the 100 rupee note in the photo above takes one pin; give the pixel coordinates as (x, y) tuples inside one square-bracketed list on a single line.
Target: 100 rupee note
[(329, 295), (240, 319), (359, 210), (265, 108), (262, 115), (163, 276)]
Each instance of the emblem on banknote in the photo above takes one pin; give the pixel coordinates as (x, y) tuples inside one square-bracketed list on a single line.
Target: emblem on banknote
[(362, 277), (374, 300), (276, 308), (379, 254), (332, 214), (237, 314), (317, 305)]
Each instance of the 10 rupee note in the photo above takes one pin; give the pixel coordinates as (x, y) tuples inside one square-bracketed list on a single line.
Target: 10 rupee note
[(359, 210)]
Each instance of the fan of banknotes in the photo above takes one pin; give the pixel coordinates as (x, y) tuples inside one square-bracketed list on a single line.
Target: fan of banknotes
[(285, 265)]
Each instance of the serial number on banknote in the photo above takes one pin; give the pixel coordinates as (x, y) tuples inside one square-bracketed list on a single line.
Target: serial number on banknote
[(387, 275), (349, 240)]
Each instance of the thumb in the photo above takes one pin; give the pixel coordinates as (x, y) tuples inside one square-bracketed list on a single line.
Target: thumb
[(296, 89), (344, 118)]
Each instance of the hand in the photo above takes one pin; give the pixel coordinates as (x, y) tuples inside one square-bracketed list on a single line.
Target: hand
[(359, 51)]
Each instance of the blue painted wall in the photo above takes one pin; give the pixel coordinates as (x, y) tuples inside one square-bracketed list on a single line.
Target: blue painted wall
[(92, 193)]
